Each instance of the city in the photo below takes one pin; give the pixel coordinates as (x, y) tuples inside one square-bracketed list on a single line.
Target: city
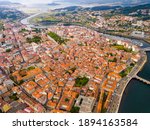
[(64, 62)]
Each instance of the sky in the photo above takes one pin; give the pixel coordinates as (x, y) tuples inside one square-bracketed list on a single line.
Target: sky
[(30, 1), (100, 1)]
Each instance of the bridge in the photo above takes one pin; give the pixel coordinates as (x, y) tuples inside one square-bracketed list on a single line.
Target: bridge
[(146, 49), (142, 80)]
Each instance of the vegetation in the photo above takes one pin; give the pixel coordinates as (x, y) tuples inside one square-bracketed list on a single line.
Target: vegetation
[(81, 44), (99, 8), (1, 26), (67, 18), (96, 67), (126, 71), (14, 97), (57, 38), (23, 30), (31, 68), (130, 10), (75, 109), (8, 50), (121, 47), (54, 99), (104, 110), (81, 81), (35, 39), (67, 99), (73, 69), (114, 60), (13, 78), (45, 19), (20, 82), (37, 30), (105, 97), (132, 64), (13, 14)]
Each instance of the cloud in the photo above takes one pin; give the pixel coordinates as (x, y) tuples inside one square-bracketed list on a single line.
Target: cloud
[(30, 1), (79, 1)]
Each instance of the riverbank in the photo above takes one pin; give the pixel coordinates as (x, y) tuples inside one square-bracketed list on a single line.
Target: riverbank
[(28, 23), (139, 66), (129, 37), (136, 96), (117, 97)]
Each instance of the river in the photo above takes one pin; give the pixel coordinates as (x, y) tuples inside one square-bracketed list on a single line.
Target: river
[(136, 97)]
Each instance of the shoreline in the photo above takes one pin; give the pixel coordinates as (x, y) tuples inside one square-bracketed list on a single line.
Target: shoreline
[(27, 22), (141, 66), (114, 107), (129, 37)]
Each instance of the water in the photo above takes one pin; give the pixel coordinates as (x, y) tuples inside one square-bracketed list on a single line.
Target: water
[(43, 9), (26, 20), (145, 73), (136, 98)]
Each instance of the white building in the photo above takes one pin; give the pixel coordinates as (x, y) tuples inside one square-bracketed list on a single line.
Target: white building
[(86, 104)]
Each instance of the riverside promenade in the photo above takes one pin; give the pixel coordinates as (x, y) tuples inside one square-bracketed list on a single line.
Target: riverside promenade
[(117, 96)]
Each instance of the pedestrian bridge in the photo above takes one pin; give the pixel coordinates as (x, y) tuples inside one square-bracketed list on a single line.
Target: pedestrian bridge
[(142, 80), (146, 49)]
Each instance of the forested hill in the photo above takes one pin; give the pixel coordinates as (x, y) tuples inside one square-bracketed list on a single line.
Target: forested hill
[(13, 14)]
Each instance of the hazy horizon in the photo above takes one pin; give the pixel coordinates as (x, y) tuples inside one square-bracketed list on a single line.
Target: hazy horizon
[(30, 1), (80, 1)]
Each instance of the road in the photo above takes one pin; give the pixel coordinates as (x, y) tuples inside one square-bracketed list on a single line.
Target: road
[(116, 98)]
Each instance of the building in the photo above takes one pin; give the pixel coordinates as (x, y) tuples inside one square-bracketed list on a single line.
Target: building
[(8, 83), (86, 104), (114, 76), (138, 34), (3, 89)]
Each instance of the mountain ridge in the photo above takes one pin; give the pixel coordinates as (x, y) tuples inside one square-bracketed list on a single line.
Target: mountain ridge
[(8, 3), (122, 2)]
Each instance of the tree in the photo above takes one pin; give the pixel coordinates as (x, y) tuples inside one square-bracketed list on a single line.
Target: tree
[(8, 50), (31, 68), (57, 38), (20, 82), (14, 97), (35, 39), (81, 81), (67, 100), (75, 109)]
